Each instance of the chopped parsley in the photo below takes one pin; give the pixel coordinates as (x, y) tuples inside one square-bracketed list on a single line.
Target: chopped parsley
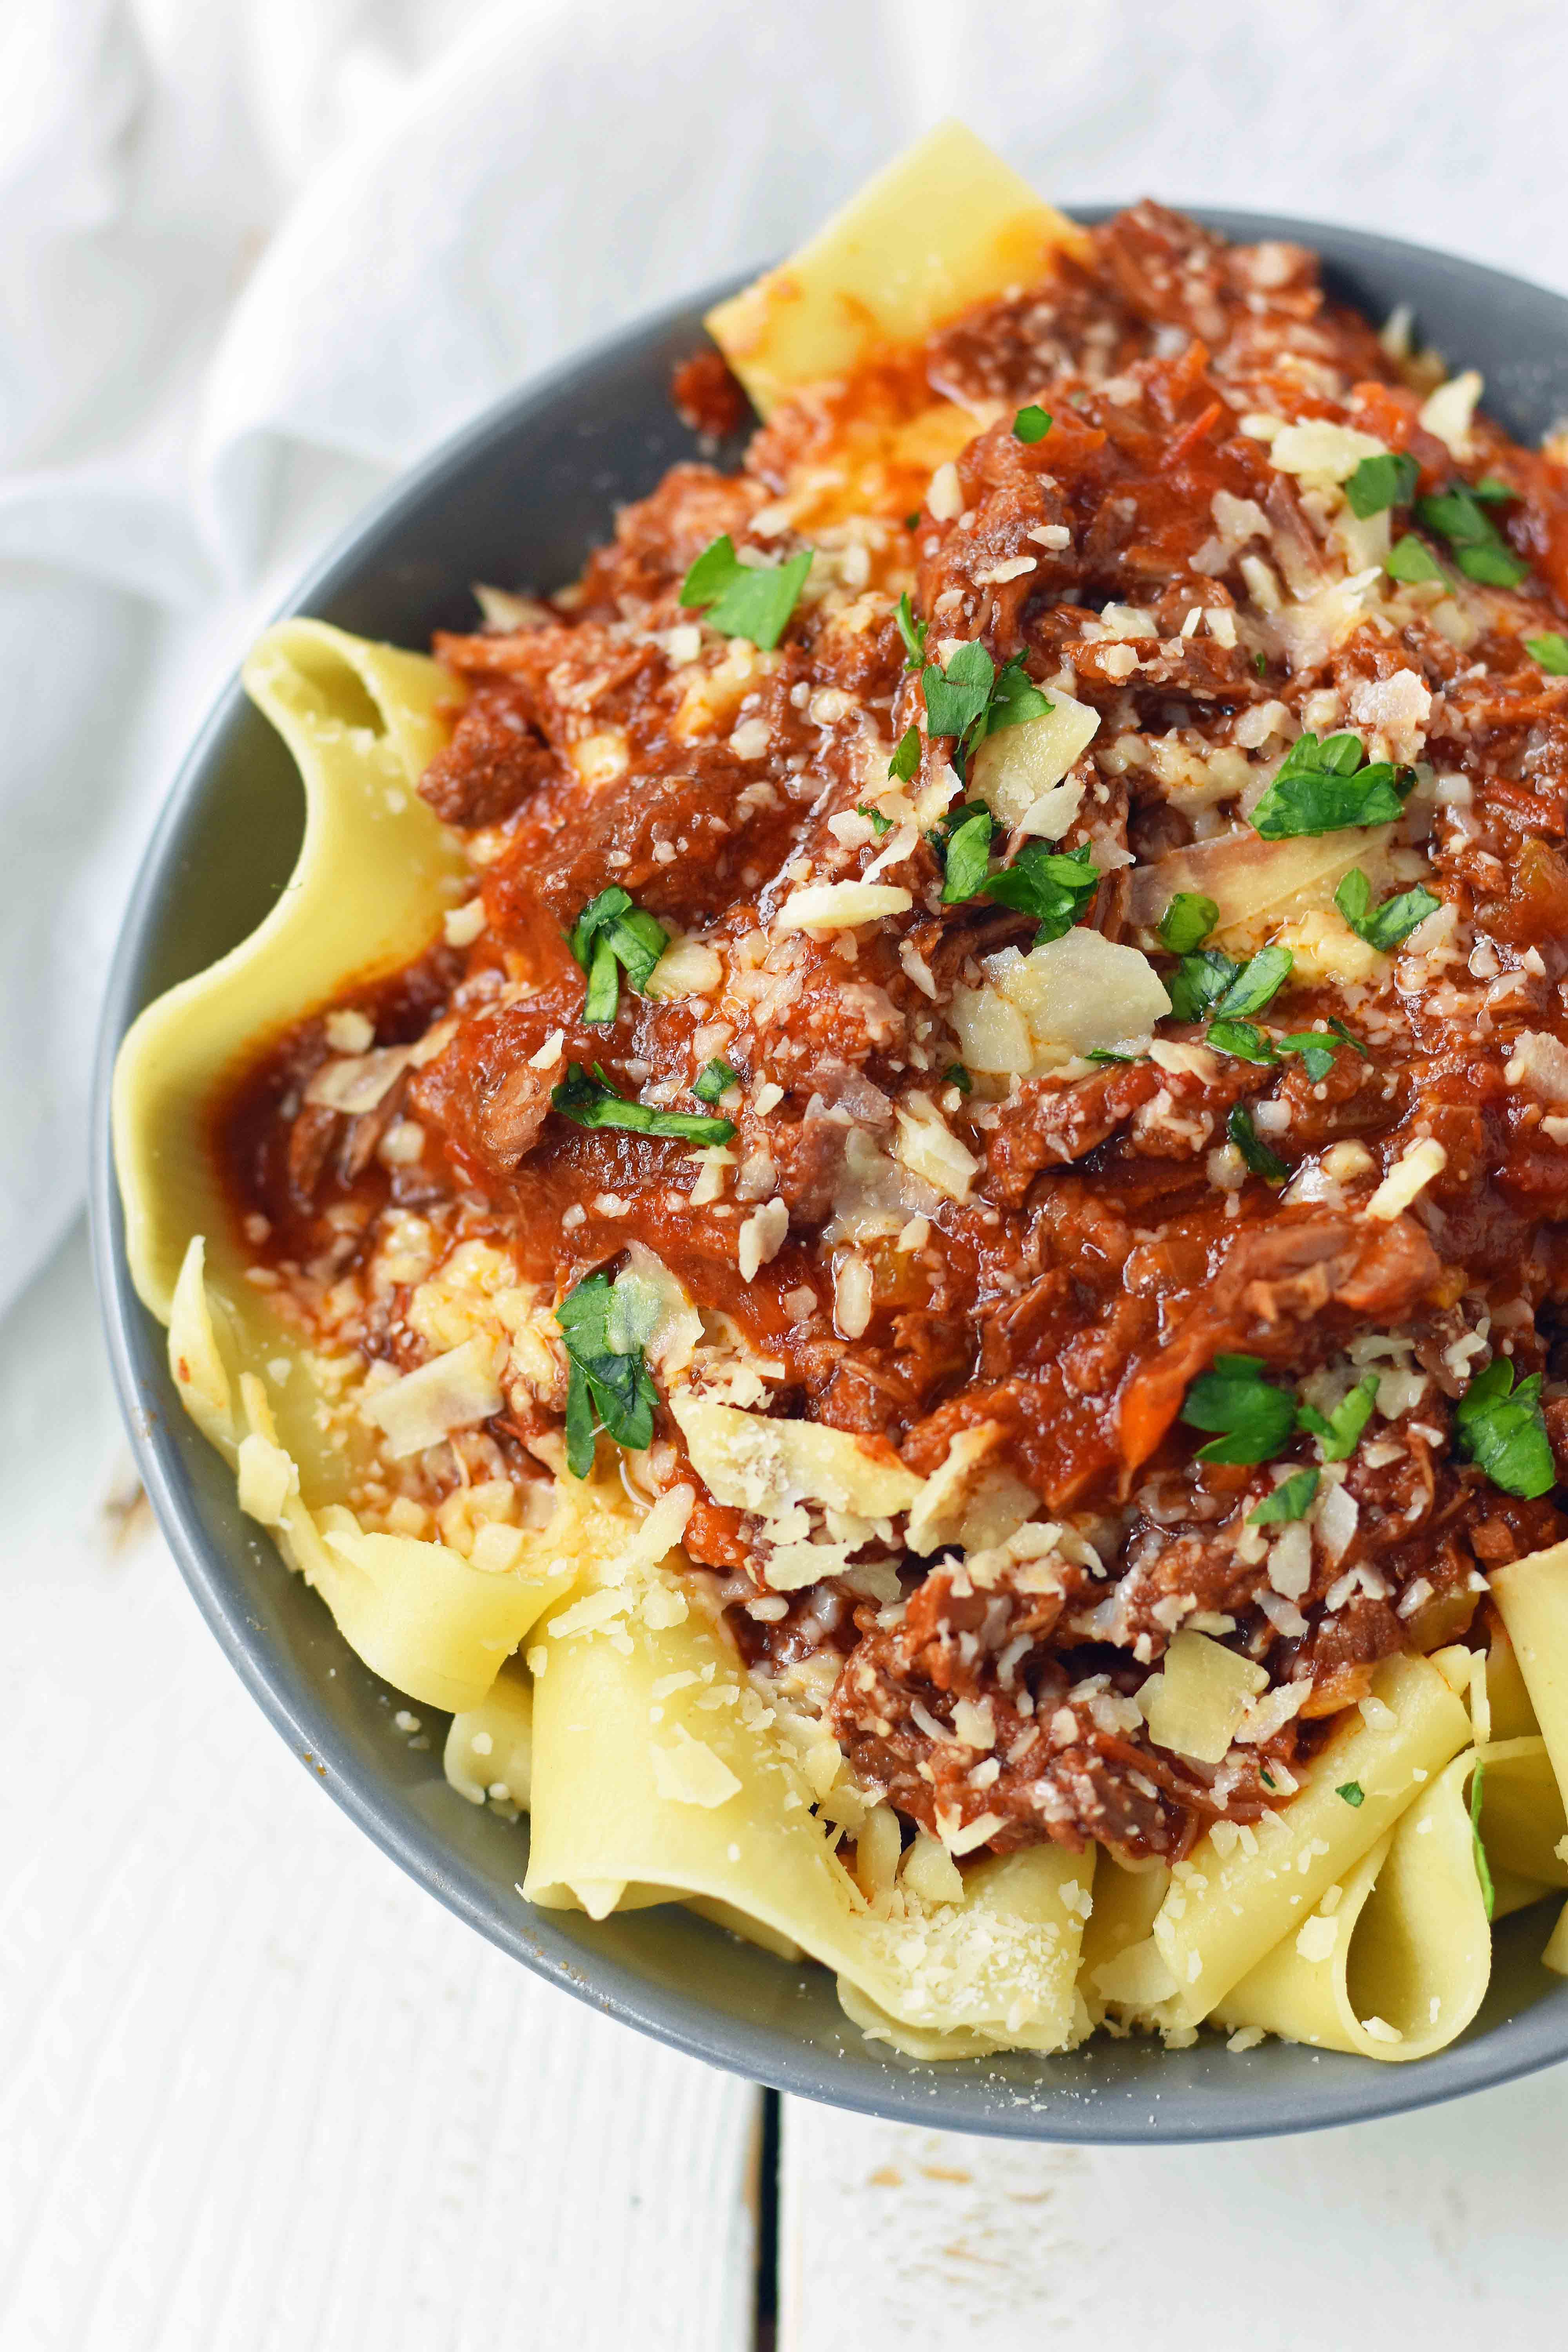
[(1241, 1040), (1483, 1868), (956, 1075), (913, 632), (1104, 1054), (1382, 926), (713, 1079), (1255, 1418), (1260, 663), (1379, 482), (1352, 1792), (1053, 886), (609, 1386), (1551, 651), (1291, 1499), (1339, 1433), (1187, 922), (1252, 1148), (1325, 787), (906, 759), (744, 600), (1031, 424), (613, 935), (1500, 1428), (971, 699), (594, 1102), (879, 824), (1213, 982), (912, 521), (1411, 559), (1479, 549)]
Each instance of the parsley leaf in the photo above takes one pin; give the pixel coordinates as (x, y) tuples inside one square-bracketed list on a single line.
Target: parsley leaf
[(1318, 1050), (1324, 787), (1382, 926), (1338, 1433), (1478, 546), (744, 600), (967, 858), (1241, 1040), (1104, 1054), (1252, 1148), (1492, 492), (1291, 1499), (970, 700), (594, 1102), (1379, 482), (1256, 1419), (1501, 1428), (713, 1079), (913, 632), (609, 1386), (1410, 559), (1258, 982), (611, 931), (1352, 1792), (1199, 982), (1551, 651), (879, 824), (1054, 885), (1483, 1868), (1187, 922), (956, 1075), (906, 759), (1031, 424)]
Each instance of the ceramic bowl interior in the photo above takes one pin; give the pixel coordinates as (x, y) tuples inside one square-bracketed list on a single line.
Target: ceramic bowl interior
[(519, 499)]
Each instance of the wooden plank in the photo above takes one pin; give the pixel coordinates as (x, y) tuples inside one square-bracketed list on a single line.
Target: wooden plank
[(1430, 2229), (259, 2090)]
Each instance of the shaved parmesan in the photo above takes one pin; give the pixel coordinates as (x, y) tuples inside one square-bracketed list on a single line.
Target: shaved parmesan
[(1539, 1062), (687, 968), (929, 1872), (929, 1148), (359, 1082), (1071, 996), (1014, 771), (760, 1466), (692, 1773), (1196, 1705), (967, 1502), (1448, 411), (1257, 883), (452, 1392), (1410, 1175), (1318, 450), (840, 906)]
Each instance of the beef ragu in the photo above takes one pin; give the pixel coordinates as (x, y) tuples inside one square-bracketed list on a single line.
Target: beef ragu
[(1239, 690)]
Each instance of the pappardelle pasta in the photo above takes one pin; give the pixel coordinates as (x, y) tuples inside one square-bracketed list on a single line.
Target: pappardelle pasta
[(887, 1199)]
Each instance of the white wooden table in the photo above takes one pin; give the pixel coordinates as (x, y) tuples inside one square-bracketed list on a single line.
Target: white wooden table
[(260, 2094)]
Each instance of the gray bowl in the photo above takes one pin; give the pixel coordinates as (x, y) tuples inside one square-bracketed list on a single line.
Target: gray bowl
[(519, 499)]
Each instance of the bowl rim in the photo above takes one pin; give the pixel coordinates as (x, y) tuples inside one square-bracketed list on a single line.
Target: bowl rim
[(933, 2097)]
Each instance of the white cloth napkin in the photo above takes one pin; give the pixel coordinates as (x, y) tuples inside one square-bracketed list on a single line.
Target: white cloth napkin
[(256, 257)]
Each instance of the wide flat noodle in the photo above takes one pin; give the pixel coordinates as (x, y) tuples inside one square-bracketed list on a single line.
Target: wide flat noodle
[(1394, 1959), (1227, 1908), (657, 1765), (946, 225)]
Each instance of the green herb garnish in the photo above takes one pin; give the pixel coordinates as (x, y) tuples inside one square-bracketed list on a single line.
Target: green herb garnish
[(1352, 1792), (612, 931), (1241, 1040), (1199, 982), (1252, 1148), (1551, 651), (713, 1079), (1483, 1868), (956, 1075), (594, 1102), (744, 600), (906, 758), (1031, 424), (970, 700), (1056, 887), (1500, 1428), (1256, 1418), (1379, 482), (1291, 1499), (1382, 926), (1479, 549), (1187, 922), (609, 1386), (1411, 559), (913, 632), (1339, 1433), (1316, 1050), (1258, 982), (1324, 788), (966, 861), (879, 824)]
